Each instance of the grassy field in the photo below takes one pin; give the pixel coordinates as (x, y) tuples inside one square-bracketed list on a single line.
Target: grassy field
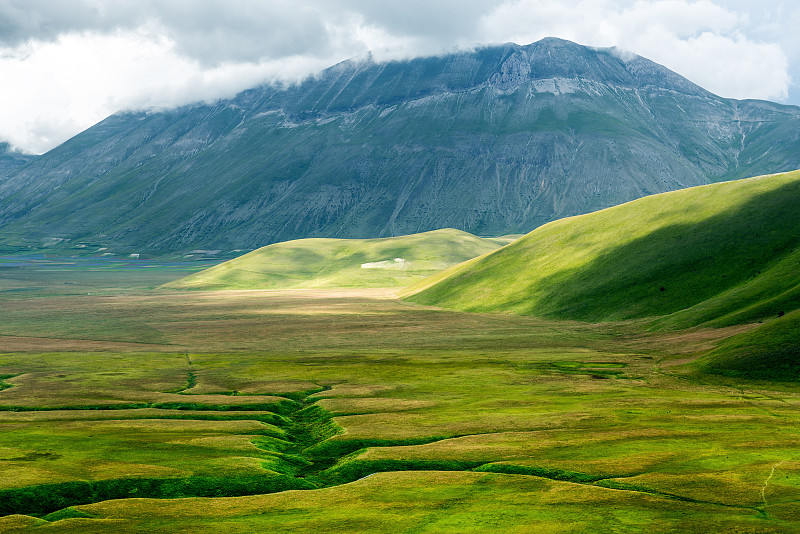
[(126, 406), (146, 410), (327, 263)]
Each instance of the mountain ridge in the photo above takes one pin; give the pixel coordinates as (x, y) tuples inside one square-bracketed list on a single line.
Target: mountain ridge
[(493, 141)]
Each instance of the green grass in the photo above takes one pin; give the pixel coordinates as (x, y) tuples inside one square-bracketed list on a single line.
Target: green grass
[(51, 498), (428, 502), (770, 352), (716, 255), (325, 263), (458, 421)]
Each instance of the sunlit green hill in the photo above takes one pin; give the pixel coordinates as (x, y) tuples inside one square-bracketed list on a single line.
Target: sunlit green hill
[(722, 254), (304, 263)]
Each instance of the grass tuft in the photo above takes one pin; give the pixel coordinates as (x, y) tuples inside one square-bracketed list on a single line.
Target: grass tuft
[(544, 472)]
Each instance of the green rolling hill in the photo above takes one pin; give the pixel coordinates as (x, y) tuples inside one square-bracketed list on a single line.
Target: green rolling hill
[(714, 255), (323, 263)]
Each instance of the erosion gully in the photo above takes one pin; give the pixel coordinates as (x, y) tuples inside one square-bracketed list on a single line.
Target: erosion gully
[(309, 461)]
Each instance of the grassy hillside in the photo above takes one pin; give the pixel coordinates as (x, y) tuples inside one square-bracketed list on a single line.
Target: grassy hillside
[(387, 262), (719, 254), (770, 352)]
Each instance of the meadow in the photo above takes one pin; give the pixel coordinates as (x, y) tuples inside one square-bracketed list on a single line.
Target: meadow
[(140, 409)]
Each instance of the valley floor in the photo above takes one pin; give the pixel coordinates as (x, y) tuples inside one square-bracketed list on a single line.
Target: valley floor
[(351, 411)]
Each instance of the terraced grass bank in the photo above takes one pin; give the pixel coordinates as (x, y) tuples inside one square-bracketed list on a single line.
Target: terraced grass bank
[(303, 449), (293, 425), (296, 442), (298, 454)]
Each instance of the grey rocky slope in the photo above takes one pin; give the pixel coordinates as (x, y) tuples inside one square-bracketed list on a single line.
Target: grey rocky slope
[(11, 159), (492, 141)]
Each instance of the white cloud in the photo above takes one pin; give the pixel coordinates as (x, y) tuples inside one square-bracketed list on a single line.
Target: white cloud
[(219, 31), (68, 63), (50, 97), (733, 67), (700, 40)]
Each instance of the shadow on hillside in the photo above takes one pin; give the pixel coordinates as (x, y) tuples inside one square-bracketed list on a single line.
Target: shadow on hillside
[(681, 265)]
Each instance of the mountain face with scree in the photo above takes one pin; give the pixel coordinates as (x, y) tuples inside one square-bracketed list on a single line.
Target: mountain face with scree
[(493, 141)]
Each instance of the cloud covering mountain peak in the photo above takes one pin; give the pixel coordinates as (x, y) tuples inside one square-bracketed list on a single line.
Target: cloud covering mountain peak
[(67, 64)]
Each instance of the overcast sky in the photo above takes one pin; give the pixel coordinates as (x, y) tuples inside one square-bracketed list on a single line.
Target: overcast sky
[(66, 64)]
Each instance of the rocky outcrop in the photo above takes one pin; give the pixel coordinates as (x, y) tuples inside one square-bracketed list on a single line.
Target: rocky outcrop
[(514, 71)]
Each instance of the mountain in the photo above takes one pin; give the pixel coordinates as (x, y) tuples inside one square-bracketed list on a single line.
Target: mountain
[(325, 262), (493, 141), (10, 159)]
